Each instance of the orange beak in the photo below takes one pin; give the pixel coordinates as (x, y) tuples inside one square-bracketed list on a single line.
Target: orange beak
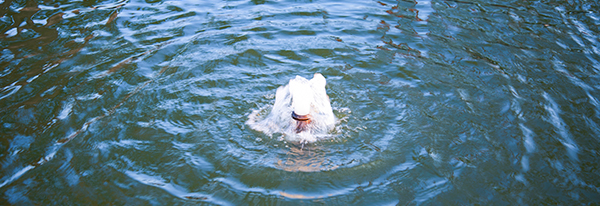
[(302, 121)]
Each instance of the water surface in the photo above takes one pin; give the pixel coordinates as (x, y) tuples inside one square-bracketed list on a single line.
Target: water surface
[(436, 102)]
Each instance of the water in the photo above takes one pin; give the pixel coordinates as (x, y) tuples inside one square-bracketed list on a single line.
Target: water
[(436, 102)]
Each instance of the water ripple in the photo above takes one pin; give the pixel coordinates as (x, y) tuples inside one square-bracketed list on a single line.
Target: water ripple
[(438, 102), (554, 119)]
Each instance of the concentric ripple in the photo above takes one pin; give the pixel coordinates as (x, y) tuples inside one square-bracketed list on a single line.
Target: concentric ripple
[(436, 102)]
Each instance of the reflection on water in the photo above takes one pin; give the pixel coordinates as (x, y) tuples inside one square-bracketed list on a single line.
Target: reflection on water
[(435, 102), (305, 161)]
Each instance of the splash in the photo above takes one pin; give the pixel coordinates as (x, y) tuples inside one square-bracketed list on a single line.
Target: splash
[(301, 112)]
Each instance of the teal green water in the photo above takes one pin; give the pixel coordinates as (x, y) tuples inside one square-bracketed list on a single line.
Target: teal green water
[(437, 102)]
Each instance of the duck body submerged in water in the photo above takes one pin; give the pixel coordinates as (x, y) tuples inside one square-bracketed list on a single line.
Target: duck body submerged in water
[(302, 111)]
